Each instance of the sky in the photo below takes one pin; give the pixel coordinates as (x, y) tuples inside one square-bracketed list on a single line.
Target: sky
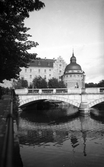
[(64, 25)]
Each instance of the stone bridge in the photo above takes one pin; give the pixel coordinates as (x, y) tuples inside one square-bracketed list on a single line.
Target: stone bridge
[(83, 99)]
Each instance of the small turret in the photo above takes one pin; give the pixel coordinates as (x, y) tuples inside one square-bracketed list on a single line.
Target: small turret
[(73, 58)]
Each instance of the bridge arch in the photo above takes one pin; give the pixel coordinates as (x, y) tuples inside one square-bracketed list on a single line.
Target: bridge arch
[(95, 102), (48, 97)]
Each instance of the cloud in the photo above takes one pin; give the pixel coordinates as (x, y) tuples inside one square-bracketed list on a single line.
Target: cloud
[(95, 70)]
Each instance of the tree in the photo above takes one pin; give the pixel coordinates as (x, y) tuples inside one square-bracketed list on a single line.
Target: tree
[(91, 85), (61, 84), (14, 43), (54, 83), (101, 83), (39, 82), (21, 83)]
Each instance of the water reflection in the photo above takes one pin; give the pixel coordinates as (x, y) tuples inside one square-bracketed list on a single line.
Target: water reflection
[(63, 143), (53, 114), (97, 112)]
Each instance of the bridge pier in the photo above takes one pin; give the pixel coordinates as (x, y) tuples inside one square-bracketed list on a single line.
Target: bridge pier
[(84, 109)]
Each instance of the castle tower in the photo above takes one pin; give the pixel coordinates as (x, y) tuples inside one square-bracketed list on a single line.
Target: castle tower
[(73, 76)]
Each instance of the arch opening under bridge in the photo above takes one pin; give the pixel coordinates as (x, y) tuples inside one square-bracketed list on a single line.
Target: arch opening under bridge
[(95, 102), (48, 97)]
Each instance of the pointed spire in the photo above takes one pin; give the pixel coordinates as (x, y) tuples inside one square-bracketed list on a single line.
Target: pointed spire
[(73, 58), (73, 52)]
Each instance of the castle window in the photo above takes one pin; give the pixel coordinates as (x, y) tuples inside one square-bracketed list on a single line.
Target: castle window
[(30, 70), (30, 76), (25, 69), (39, 70), (49, 69), (45, 70)]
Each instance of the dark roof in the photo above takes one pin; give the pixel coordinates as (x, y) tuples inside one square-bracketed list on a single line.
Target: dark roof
[(73, 66), (42, 63)]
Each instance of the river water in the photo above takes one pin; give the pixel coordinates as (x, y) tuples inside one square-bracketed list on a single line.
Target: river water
[(74, 141)]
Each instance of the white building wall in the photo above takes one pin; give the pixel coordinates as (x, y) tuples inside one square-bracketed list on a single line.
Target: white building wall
[(59, 67), (31, 72), (73, 80), (45, 72)]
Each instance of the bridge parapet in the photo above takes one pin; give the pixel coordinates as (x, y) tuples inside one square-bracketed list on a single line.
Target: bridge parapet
[(94, 90), (21, 91), (48, 91), (60, 91)]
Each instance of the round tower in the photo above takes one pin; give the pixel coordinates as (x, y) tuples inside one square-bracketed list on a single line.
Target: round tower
[(73, 76)]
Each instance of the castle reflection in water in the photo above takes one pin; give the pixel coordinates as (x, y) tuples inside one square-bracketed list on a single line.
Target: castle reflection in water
[(81, 129)]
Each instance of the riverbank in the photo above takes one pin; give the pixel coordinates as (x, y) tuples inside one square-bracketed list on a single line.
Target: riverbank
[(4, 111), (5, 107)]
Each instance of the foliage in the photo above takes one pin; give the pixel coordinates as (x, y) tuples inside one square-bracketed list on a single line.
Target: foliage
[(14, 43), (4, 91), (21, 83), (39, 82), (54, 83), (61, 84), (101, 83), (91, 84)]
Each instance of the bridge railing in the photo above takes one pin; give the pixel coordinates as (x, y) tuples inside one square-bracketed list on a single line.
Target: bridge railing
[(48, 91), (94, 90), (101, 89), (60, 91), (36, 91), (54, 91)]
